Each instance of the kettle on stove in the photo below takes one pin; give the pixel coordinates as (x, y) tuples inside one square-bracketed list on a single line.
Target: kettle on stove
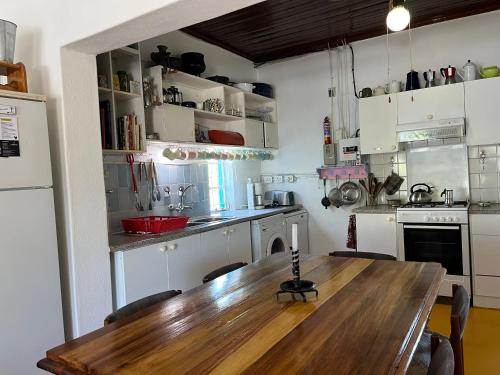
[(449, 74), (420, 195)]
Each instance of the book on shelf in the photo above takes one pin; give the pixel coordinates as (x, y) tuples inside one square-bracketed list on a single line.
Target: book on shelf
[(129, 132), (106, 124)]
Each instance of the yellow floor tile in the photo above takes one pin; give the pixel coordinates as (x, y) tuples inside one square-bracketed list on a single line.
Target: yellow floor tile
[(481, 338)]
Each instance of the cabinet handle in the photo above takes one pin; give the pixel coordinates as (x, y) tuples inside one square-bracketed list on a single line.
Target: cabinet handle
[(163, 249), (232, 230), (390, 219), (394, 147), (225, 233), (378, 148), (430, 117), (172, 247)]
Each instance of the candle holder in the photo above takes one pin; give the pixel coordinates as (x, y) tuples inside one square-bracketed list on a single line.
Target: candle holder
[(297, 285)]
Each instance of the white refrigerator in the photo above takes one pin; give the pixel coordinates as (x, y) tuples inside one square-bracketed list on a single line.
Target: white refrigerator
[(30, 295)]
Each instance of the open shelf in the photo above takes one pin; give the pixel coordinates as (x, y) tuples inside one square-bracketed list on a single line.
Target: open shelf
[(124, 95), (120, 152), (200, 113), (199, 145), (104, 89)]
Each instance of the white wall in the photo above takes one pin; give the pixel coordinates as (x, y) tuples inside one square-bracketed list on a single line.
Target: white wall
[(301, 89), (89, 27), (217, 60)]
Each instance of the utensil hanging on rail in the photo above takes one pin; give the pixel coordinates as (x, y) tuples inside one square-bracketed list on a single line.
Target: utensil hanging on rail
[(325, 201)]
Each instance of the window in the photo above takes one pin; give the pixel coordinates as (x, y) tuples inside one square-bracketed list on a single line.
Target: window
[(216, 186)]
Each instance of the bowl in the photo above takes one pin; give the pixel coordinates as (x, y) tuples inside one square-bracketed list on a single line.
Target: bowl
[(245, 86), (193, 63), (188, 104), (489, 71)]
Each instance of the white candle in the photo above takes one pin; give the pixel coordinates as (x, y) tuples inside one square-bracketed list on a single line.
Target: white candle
[(295, 237)]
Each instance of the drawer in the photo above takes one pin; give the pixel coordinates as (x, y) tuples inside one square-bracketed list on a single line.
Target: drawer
[(486, 254), (488, 286), (485, 224)]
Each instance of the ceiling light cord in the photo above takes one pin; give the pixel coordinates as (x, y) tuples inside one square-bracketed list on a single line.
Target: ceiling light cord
[(411, 56)]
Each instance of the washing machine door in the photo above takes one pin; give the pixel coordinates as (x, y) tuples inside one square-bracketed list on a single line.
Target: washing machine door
[(277, 244)]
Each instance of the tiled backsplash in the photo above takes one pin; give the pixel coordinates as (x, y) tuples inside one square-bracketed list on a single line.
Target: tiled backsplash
[(121, 198), (484, 173), (382, 165)]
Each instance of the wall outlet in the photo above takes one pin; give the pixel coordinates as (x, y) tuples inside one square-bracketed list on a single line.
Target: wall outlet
[(278, 179), (267, 179), (290, 178)]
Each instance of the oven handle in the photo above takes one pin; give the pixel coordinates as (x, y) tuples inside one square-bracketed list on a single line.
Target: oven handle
[(431, 227)]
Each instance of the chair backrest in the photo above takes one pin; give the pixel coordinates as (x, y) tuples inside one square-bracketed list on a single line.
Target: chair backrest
[(362, 254), (458, 320), (222, 271), (442, 361), (139, 305)]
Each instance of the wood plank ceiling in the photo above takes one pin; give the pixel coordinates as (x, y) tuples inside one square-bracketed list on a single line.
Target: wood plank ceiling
[(277, 29)]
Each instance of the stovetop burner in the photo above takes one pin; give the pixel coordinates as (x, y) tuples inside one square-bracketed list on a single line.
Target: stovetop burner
[(459, 204)]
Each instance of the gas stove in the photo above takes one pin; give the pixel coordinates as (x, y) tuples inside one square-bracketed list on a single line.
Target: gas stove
[(433, 212), (436, 205)]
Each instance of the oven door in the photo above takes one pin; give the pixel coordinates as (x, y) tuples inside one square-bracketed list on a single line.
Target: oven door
[(435, 243)]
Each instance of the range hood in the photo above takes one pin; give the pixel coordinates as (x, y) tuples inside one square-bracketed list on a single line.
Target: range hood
[(438, 129)]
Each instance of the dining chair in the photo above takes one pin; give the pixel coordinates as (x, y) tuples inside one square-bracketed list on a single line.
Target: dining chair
[(222, 271), (442, 359), (139, 305), (460, 307), (362, 254)]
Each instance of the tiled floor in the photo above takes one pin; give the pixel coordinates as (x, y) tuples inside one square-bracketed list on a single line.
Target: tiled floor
[(481, 339)]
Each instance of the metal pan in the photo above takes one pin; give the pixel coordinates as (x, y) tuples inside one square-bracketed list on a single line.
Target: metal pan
[(350, 193)]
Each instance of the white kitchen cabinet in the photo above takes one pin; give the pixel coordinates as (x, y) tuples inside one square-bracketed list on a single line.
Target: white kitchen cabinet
[(377, 122), (171, 122), (227, 245), (376, 233), (431, 104), (139, 273), (185, 262), (271, 135), (485, 240), (239, 243), (482, 111), (253, 133)]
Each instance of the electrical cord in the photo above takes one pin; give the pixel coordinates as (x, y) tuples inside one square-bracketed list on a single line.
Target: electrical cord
[(352, 69)]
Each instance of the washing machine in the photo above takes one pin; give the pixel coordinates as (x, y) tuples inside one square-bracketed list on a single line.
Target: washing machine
[(269, 236)]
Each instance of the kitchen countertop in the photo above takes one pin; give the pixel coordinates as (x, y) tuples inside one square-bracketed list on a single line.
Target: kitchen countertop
[(123, 241), (491, 210), (379, 209)]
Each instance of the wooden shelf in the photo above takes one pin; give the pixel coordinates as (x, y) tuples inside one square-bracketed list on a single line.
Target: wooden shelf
[(120, 152), (127, 51), (124, 95), (200, 113)]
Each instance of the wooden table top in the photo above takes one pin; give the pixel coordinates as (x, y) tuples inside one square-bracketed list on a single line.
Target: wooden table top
[(367, 319)]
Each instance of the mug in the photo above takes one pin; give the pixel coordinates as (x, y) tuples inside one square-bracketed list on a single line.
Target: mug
[(192, 155), (379, 90), (393, 87), (412, 82), (365, 93)]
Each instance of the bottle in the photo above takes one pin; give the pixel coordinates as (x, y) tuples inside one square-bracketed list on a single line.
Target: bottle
[(250, 195), (327, 131)]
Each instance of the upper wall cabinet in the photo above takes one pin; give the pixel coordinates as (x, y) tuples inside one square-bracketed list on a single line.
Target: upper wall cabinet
[(482, 111), (377, 120), (431, 104)]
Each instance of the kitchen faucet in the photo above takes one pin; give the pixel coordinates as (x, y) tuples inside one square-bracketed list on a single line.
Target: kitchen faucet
[(182, 192)]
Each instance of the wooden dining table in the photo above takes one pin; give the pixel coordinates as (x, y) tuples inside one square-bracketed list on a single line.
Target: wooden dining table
[(367, 319)]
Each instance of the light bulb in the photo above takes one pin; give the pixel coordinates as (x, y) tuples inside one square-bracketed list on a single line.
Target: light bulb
[(398, 18)]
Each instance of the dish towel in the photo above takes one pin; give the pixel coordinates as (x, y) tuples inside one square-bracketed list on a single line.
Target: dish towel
[(351, 232)]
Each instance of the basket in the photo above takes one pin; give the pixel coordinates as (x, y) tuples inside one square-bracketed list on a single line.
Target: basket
[(154, 224)]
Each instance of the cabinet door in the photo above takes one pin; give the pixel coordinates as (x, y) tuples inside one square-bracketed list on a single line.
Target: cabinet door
[(435, 103), (140, 273), (239, 243), (214, 249), (254, 133), (377, 121), (376, 233), (172, 122), (486, 255), (185, 263), (482, 111), (271, 135)]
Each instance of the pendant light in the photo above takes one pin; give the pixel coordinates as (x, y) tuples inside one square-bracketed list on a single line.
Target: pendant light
[(398, 17)]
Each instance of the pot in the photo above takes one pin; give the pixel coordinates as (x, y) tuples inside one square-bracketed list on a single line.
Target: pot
[(489, 71), (193, 63), (350, 193), (263, 89), (245, 86), (469, 72), (420, 195), (219, 79)]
